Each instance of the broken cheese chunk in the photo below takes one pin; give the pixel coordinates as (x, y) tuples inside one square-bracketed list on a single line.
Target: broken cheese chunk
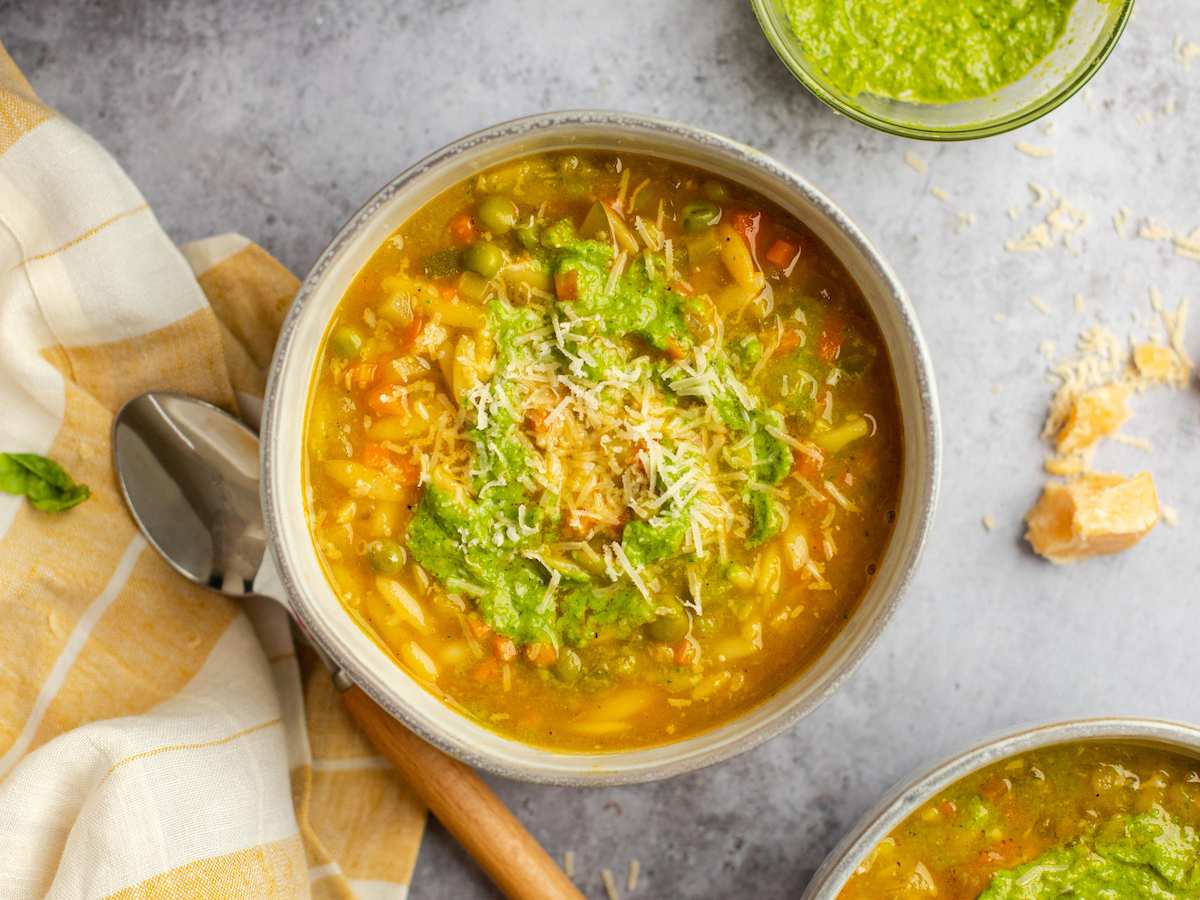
[(1153, 361), (1093, 415), (1092, 515)]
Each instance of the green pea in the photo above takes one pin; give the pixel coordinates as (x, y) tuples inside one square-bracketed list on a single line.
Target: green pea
[(668, 629), (529, 237), (699, 214), (385, 556), (346, 342), (739, 576), (484, 258), (497, 215), (569, 666), (716, 192)]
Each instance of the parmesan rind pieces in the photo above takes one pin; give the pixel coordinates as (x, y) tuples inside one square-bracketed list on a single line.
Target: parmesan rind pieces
[(1093, 415), (1092, 515)]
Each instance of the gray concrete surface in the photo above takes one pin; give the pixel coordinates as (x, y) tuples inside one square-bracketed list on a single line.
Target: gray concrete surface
[(277, 119)]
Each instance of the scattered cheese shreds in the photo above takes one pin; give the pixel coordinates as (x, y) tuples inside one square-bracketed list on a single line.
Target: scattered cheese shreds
[(1042, 194), (1185, 245), (1048, 349), (1170, 515), (915, 163), (940, 193), (1050, 127), (1038, 152), (610, 886), (1063, 221), (569, 864), (997, 389), (1183, 52), (1120, 220), (998, 318), (1038, 303), (1035, 239), (989, 523), (1143, 119), (1135, 442), (1077, 300), (634, 867), (963, 220)]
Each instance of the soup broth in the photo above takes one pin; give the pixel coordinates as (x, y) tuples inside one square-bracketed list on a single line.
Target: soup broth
[(1087, 820), (602, 449)]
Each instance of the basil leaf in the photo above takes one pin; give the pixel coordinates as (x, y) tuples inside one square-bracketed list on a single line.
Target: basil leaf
[(43, 481)]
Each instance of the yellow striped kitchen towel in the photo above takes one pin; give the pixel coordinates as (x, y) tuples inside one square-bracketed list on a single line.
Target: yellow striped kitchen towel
[(156, 740)]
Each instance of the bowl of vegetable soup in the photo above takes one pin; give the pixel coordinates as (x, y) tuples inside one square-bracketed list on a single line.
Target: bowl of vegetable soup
[(1085, 808), (599, 448)]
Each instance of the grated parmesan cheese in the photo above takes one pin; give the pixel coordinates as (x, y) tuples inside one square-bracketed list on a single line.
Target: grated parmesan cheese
[(940, 193), (610, 886), (989, 523), (915, 163), (1038, 152), (1184, 51), (1038, 303)]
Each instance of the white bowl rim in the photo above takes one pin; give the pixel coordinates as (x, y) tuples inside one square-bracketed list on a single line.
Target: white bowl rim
[(607, 768), (913, 791)]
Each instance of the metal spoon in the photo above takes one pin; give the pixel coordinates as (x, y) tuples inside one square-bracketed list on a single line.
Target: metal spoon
[(189, 472)]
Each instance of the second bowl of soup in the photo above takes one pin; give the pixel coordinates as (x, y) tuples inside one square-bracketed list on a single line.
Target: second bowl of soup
[(603, 447), (1099, 809)]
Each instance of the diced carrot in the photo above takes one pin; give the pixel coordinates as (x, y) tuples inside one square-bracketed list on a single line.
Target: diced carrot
[(375, 455), (404, 471), (566, 285), (462, 227), (541, 654), (993, 788), (532, 718), (783, 253), (747, 224), (684, 652), (479, 628), (387, 400), (364, 374), (788, 341), (505, 649), (537, 419), (829, 344), (486, 669), (636, 458), (450, 292), (810, 466), (413, 332)]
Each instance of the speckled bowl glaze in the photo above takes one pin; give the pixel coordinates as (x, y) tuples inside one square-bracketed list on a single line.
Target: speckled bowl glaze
[(1092, 31), (317, 607), (912, 793)]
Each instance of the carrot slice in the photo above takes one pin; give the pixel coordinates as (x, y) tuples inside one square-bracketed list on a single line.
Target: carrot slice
[(782, 253), (375, 455)]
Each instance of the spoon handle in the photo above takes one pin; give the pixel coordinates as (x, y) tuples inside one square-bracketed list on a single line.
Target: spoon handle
[(467, 807)]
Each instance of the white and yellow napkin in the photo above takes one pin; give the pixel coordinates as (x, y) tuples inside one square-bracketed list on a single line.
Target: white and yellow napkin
[(156, 740)]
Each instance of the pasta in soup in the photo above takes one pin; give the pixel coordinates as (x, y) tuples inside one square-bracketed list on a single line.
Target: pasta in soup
[(602, 449)]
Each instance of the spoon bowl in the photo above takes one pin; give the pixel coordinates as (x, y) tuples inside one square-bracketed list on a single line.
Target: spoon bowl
[(189, 472)]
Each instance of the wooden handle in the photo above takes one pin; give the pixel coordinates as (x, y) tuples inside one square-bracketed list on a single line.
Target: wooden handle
[(468, 808)]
